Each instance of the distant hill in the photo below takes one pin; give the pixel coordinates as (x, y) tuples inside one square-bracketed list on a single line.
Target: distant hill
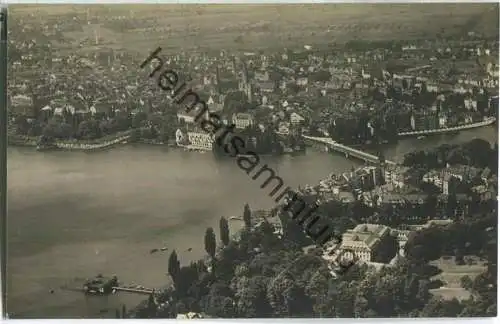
[(262, 26)]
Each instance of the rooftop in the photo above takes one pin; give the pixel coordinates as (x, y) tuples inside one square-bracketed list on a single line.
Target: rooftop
[(364, 235)]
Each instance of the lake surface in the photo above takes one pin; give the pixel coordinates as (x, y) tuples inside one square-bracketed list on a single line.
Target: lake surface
[(76, 214)]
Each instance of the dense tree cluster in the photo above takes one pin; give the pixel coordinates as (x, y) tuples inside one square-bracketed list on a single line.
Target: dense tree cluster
[(363, 128), (224, 231), (477, 153), (263, 275), (257, 141), (85, 127), (472, 237)]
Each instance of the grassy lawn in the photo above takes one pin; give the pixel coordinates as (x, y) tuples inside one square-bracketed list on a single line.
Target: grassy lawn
[(450, 293), (451, 277)]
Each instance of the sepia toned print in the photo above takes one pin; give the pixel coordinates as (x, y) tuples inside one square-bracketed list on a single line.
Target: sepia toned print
[(235, 146), (136, 132)]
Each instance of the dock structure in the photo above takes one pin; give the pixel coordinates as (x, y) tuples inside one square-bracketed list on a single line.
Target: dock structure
[(146, 291), (348, 151), (101, 285)]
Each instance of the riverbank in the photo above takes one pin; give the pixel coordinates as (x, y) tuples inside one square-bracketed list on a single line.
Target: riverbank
[(124, 138), (73, 144), (85, 145), (487, 122)]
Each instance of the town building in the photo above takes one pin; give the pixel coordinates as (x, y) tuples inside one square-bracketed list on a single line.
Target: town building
[(200, 140), (242, 120), (423, 120), (180, 138), (364, 241), (367, 178), (186, 118), (296, 119), (22, 105), (216, 103), (395, 175)]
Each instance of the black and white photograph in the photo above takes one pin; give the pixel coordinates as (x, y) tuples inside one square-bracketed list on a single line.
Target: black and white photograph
[(209, 161)]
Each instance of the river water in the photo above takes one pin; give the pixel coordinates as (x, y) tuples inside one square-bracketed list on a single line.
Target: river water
[(76, 214)]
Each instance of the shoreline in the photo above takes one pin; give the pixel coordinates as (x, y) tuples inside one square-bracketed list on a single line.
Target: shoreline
[(103, 142), (75, 145), (124, 137), (438, 131)]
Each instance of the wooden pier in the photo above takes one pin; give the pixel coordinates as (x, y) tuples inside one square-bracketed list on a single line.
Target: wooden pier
[(146, 291), (129, 289)]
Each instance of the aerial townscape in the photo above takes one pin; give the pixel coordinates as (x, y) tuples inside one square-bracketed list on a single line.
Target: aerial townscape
[(382, 117)]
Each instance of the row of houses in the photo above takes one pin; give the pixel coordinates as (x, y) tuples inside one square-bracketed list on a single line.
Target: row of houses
[(459, 173)]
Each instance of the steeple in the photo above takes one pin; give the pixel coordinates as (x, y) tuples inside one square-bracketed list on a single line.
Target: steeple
[(244, 84), (233, 64), (217, 79), (245, 73), (249, 92), (248, 85)]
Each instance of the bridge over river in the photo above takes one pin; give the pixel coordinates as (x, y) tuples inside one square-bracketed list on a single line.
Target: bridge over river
[(348, 151)]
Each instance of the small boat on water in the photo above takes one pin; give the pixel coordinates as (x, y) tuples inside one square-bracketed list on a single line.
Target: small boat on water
[(164, 249), (421, 137)]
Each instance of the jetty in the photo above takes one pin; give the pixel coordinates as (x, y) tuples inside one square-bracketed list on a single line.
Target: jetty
[(101, 285), (131, 289), (143, 290)]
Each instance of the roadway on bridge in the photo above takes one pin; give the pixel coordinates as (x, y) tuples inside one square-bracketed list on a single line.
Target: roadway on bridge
[(346, 149)]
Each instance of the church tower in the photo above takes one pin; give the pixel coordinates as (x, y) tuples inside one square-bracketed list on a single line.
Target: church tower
[(217, 79), (233, 64), (245, 85)]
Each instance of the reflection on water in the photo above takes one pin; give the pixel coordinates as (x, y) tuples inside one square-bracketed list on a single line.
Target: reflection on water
[(74, 214)]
